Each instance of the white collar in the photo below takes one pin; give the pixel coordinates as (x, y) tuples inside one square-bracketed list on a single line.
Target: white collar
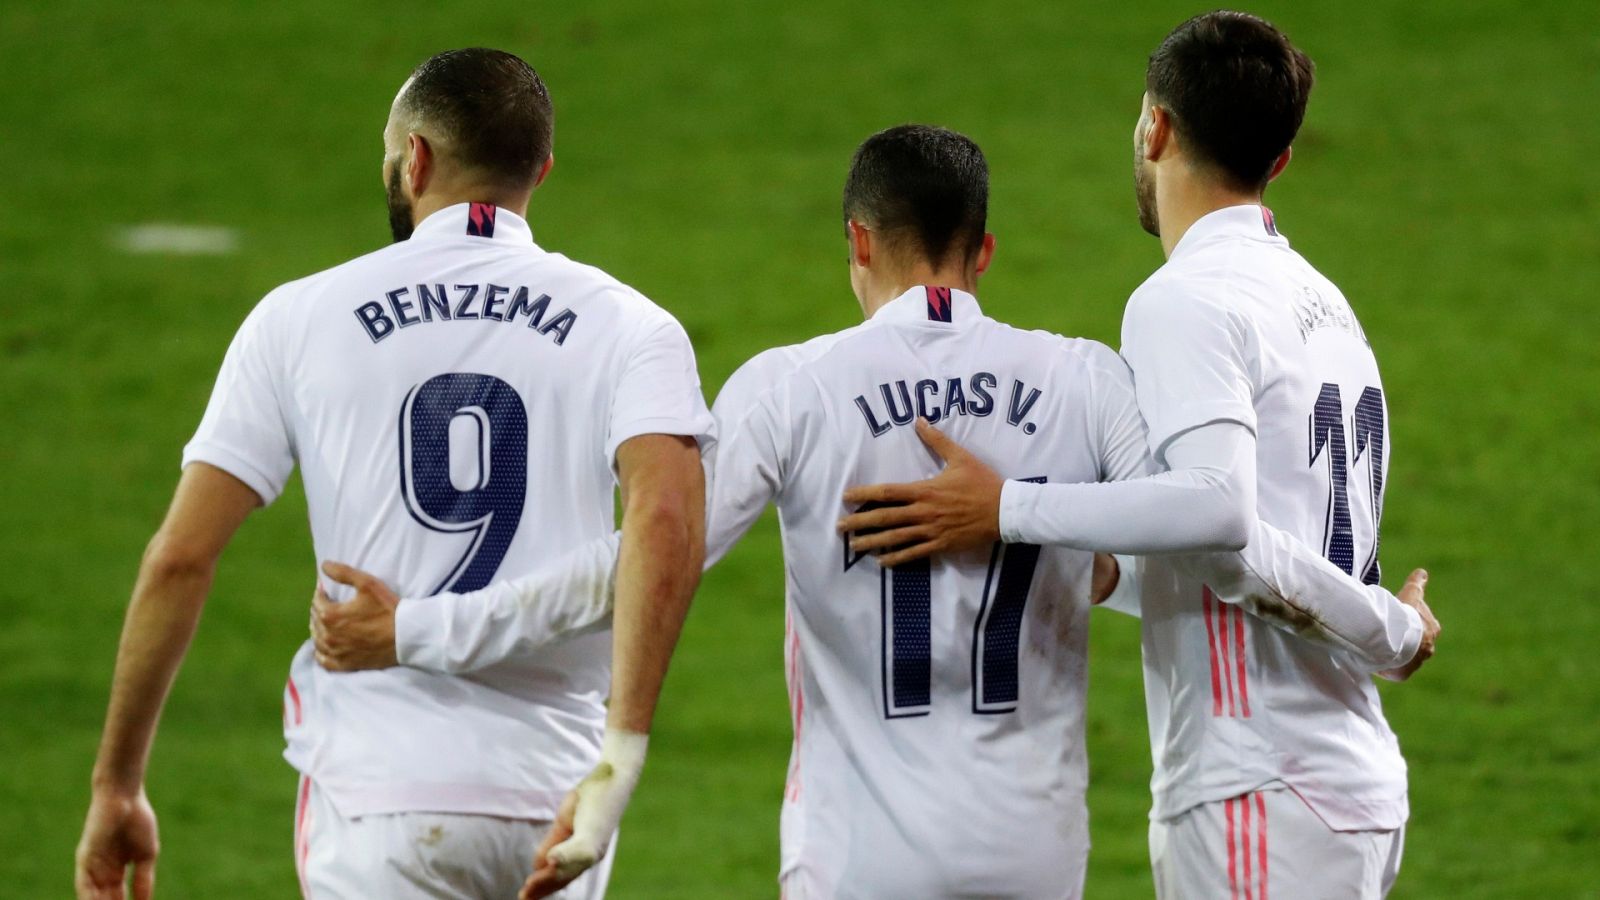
[(1251, 220), (930, 305), (482, 220)]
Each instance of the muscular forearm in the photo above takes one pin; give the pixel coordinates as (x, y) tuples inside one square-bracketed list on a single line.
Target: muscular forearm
[(658, 568), (161, 621)]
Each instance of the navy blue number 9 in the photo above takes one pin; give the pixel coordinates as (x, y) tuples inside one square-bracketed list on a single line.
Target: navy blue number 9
[(490, 505)]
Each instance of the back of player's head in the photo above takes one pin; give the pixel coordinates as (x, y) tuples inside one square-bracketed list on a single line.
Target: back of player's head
[(925, 186), (1235, 89), (490, 106)]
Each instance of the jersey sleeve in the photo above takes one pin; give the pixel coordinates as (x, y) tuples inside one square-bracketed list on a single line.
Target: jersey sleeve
[(245, 431), (453, 634), (746, 471), (1282, 581), (659, 390), (1120, 430), (1190, 358)]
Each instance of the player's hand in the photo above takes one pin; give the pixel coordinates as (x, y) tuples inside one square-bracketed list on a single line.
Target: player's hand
[(358, 633), (1106, 575), (119, 832), (589, 816), (958, 509), (547, 877), (1411, 595)]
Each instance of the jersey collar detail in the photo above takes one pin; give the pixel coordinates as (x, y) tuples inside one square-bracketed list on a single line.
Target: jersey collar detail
[(932, 304), (1251, 221), (477, 220)]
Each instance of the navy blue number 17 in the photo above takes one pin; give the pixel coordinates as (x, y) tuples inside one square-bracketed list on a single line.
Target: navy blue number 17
[(1328, 442), (907, 598), (483, 492)]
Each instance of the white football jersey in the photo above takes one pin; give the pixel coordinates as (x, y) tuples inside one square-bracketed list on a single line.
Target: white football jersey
[(938, 707), (1237, 327), (454, 402)]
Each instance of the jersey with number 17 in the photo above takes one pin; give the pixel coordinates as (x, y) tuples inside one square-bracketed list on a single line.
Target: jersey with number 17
[(937, 707), (455, 402)]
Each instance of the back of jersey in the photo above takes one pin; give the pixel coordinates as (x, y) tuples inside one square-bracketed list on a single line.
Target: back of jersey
[(938, 706), (1238, 327), (455, 402)]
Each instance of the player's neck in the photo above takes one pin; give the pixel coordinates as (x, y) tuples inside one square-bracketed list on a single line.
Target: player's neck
[(1188, 202), (885, 290), (433, 201)]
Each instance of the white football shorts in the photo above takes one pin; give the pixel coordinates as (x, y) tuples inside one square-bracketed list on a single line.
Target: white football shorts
[(411, 856), (1269, 845)]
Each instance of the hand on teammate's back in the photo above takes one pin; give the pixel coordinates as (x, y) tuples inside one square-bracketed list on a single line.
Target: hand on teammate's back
[(358, 633), (120, 832), (1411, 595), (958, 509)]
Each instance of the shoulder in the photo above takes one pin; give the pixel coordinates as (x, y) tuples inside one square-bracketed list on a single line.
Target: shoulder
[(779, 369)]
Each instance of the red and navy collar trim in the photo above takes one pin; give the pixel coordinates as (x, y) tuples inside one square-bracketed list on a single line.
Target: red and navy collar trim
[(480, 219), (940, 308)]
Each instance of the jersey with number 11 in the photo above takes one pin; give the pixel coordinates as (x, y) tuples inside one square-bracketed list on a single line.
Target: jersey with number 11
[(938, 706), (454, 402)]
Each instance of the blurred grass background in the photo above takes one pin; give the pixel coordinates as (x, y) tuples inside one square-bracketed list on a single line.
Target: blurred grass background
[(1445, 179)]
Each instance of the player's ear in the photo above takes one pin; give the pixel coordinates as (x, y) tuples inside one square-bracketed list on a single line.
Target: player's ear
[(985, 252), (544, 170), (860, 243), (1281, 163), (419, 163), (1158, 133)]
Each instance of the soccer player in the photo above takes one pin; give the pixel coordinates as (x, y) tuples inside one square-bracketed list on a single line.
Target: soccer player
[(961, 671), (1275, 771), (937, 708), (461, 404)]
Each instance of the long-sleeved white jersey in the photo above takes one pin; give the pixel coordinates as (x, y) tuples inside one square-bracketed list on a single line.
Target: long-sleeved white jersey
[(1249, 685)]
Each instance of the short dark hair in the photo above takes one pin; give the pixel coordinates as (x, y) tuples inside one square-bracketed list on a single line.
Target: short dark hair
[(491, 106), (923, 183), (1236, 90)]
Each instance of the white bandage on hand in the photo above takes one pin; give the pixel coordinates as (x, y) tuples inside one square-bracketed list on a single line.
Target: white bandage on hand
[(601, 799)]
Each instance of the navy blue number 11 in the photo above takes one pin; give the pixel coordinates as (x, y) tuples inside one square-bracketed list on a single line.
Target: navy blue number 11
[(485, 497), (1328, 442)]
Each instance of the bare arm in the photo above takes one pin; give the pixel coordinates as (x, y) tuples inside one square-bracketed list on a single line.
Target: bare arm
[(658, 569), (174, 578)]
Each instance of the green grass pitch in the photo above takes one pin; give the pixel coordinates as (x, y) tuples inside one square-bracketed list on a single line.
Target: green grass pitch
[(1445, 179)]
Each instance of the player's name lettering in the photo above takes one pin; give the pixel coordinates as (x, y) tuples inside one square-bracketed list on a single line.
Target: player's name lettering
[(404, 307), (1314, 312), (936, 399)]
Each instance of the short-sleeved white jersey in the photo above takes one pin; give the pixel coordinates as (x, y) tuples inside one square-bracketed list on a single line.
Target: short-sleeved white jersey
[(938, 707), (454, 402), (1237, 327)]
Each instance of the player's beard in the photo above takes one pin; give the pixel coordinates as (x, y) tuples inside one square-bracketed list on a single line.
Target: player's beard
[(400, 224), (1144, 191)]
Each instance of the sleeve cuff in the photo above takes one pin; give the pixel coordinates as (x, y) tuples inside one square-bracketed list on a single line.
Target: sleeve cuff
[(266, 487), (701, 427), (1125, 596), (420, 629), (1413, 636), (1017, 500)]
